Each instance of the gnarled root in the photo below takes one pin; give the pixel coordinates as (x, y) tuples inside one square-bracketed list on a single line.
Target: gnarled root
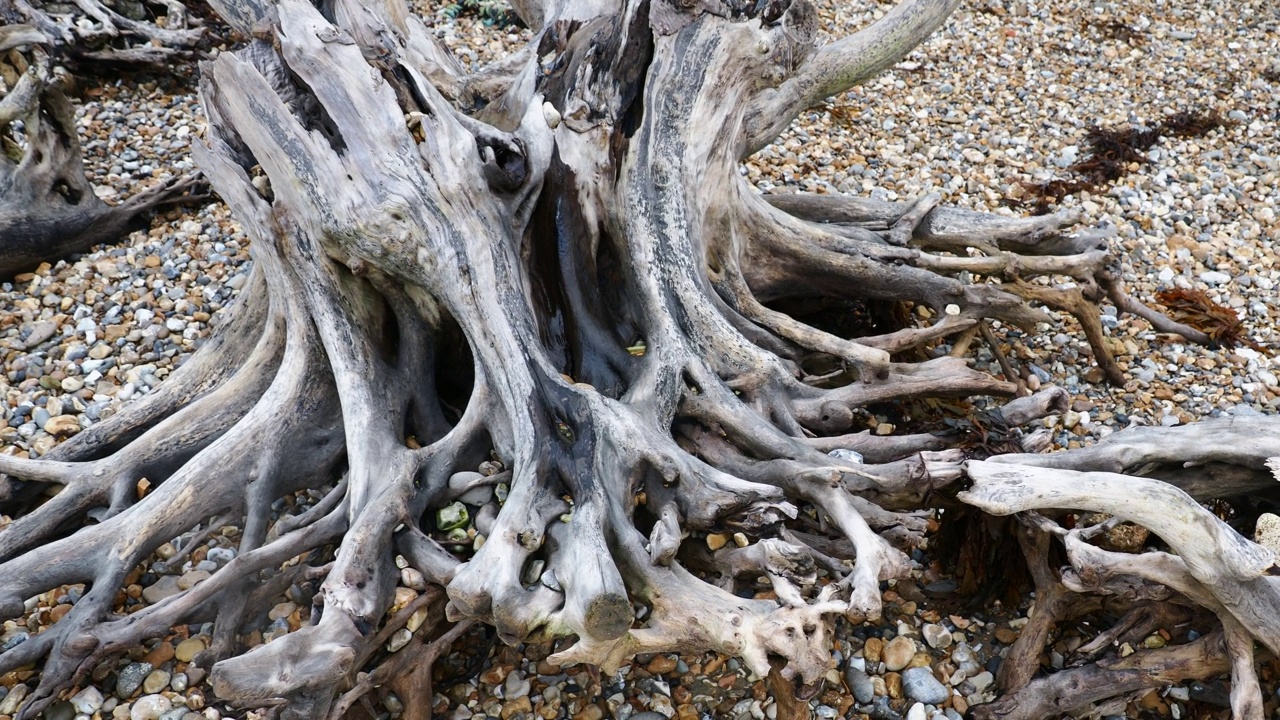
[(1212, 567)]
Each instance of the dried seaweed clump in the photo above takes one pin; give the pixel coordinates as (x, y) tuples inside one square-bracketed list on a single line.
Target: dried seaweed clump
[(1111, 153), (1196, 309)]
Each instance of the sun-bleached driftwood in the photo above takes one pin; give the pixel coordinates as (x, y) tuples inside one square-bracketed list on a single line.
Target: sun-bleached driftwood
[(552, 269), (1208, 564)]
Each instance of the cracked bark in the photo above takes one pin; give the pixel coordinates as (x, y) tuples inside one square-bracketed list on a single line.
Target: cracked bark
[(554, 263)]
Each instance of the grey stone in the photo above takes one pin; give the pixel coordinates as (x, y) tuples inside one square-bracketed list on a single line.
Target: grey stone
[(516, 685), (477, 494), (221, 556), (40, 332), (130, 679), (859, 684), (14, 640), (920, 684), (62, 710), (1212, 693)]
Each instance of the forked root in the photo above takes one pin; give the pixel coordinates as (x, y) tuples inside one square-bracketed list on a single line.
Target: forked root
[(1210, 566)]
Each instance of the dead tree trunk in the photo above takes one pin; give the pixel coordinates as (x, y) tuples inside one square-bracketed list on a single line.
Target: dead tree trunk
[(551, 269)]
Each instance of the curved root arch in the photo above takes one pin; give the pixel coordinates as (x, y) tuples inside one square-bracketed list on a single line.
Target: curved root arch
[(585, 236)]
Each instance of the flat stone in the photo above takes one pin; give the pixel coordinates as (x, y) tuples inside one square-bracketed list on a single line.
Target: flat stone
[(221, 556), (661, 665), (893, 685), (160, 654), (166, 586), (1213, 693), (193, 578), (516, 708), (1006, 636), (920, 684), (873, 650), (470, 493), (916, 712), (283, 610), (898, 653), (413, 579)]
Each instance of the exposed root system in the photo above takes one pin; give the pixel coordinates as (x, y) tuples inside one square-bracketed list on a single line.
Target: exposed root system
[(524, 334)]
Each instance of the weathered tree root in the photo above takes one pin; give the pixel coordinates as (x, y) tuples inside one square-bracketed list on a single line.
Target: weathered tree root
[(1212, 566), (48, 208), (572, 283)]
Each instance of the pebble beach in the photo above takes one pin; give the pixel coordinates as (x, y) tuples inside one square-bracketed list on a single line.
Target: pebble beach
[(1002, 98)]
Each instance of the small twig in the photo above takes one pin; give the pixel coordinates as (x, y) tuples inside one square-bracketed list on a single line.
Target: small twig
[(1005, 366), (962, 343)]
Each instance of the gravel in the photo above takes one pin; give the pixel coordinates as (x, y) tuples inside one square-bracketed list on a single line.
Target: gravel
[(1004, 95)]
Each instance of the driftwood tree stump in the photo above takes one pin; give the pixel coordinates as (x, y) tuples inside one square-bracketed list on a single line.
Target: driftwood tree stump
[(553, 268)]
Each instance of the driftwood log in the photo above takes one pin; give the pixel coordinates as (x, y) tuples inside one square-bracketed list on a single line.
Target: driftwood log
[(552, 269)]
